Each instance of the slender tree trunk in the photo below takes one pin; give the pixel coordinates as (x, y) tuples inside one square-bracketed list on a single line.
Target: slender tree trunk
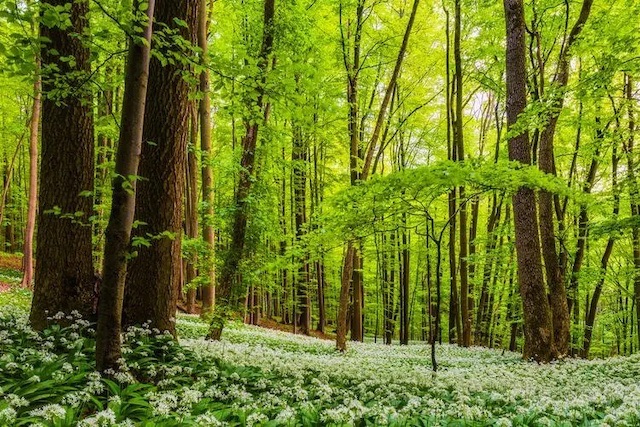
[(538, 326), (65, 279), (300, 163), (191, 213), (227, 292), (34, 127), (153, 278), (558, 295), (353, 69), (459, 143), (590, 316), (358, 298), (347, 268), (208, 196), (118, 234), (634, 195)]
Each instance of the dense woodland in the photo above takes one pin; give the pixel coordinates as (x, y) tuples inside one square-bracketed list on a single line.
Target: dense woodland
[(455, 171)]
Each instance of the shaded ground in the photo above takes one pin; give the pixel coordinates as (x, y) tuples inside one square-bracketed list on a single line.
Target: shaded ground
[(10, 271)]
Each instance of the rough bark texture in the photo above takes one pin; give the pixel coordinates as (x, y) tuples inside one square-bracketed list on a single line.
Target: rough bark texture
[(64, 277), (123, 200), (538, 326), (154, 274)]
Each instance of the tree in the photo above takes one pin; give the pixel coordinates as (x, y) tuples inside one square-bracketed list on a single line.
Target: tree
[(228, 293), (64, 274), (538, 328), (153, 275), (117, 248), (357, 175), (34, 132), (208, 290), (546, 161)]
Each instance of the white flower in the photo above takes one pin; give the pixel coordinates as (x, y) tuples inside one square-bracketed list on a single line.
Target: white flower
[(49, 412)]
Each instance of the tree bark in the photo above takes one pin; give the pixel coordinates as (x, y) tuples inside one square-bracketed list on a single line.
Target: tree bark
[(191, 214), (538, 327), (546, 161), (118, 233), (300, 163), (64, 274), (459, 143), (34, 127), (154, 274), (227, 292), (343, 307), (208, 195)]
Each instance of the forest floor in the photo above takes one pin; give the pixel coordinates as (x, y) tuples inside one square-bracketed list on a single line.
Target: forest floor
[(257, 376), (269, 376)]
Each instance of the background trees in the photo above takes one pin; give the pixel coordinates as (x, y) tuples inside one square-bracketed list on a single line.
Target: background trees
[(319, 142)]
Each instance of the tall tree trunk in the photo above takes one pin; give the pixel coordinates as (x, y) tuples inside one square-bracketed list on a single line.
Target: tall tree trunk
[(558, 295), (227, 292), (118, 234), (153, 278), (634, 194), (34, 127), (538, 326), (347, 269), (358, 297), (459, 143), (590, 316), (208, 196), (353, 68), (404, 283), (300, 163), (317, 190), (455, 323), (191, 214), (64, 279)]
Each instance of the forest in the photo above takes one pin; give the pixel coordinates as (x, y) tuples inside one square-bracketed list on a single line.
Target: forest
[(319, 212)]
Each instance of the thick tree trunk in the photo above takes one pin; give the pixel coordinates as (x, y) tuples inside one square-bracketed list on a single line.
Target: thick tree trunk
[(154, 274), (64, 274), (538, 326), (118, 234)]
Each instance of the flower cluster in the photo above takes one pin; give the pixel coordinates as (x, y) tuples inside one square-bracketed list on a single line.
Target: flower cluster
[(258, 377)]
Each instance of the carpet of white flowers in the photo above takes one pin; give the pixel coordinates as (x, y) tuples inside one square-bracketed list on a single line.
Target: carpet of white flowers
[(263, 377)]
